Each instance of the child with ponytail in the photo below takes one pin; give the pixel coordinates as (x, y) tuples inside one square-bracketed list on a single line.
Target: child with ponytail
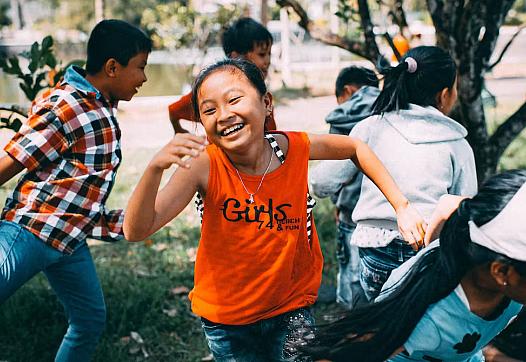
[(424, 150), (453, 298)]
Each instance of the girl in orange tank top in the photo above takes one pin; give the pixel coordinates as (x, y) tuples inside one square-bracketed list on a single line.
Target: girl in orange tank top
[(259, 263)]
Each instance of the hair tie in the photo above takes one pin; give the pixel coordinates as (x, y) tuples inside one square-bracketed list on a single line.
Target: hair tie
[(411, 64)]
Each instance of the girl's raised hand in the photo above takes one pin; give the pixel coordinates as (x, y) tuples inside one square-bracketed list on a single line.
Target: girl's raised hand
[(178, 151), (411, 225)]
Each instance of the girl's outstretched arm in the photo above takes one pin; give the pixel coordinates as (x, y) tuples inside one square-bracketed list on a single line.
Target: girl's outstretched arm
[(148, 208), (337, 147)]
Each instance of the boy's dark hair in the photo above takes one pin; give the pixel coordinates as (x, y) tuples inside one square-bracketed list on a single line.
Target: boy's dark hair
[(115, 39), (249, 69), (373, 332), (359, 76), (435, 70), (242, 35)]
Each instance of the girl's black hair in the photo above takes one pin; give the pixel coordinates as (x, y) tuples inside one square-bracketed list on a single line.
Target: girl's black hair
[(249, 69), (374, 332), (435, 71)]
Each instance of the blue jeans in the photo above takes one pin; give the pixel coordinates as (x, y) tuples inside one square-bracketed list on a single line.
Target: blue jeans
[(348, 290), (72, 277), (376, 265), (266, 340)]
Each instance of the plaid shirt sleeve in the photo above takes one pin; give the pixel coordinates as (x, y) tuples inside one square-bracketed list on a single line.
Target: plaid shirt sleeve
[(109, 227), (39, 141)]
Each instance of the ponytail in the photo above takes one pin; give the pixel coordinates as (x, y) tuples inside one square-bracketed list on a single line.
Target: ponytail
[(375, 331), (421, 74)]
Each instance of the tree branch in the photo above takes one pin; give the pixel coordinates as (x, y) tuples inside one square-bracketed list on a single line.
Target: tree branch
[(323, 35), (508, 131), (506, 47)]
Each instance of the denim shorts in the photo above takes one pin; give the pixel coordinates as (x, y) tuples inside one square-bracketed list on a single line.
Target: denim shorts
[(273, 339), (376, 265)]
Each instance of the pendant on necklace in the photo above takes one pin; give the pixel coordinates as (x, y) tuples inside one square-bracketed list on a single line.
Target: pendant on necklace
[(250, 199)]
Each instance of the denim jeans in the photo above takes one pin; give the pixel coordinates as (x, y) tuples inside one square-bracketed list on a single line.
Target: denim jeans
[(348, 290), (270, 339), (376, 265), (72, 277)]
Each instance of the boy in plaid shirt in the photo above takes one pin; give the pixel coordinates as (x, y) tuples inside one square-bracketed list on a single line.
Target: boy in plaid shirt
[(70, 147)]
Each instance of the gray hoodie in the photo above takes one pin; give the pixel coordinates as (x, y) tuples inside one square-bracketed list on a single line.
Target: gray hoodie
[(342, 120), (423, 150)]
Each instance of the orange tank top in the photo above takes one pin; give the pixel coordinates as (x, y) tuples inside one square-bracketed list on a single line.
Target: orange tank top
[(256, 261)]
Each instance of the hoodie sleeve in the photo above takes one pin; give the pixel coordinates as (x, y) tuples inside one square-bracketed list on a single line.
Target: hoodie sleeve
[(464, 172), (328, 177)]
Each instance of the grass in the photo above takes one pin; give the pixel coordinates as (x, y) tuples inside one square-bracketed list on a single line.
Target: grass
[(149, 316)]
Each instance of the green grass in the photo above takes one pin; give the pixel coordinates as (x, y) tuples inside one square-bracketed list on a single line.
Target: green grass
[(137, 279)]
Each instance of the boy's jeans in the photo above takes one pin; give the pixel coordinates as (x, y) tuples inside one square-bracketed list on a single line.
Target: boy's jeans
[(267, 340), (72, 277), (348, 291), (377, 263)]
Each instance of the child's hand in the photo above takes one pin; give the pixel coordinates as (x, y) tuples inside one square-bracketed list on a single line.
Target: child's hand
[(411, 225), (446, 205), (177, 151)]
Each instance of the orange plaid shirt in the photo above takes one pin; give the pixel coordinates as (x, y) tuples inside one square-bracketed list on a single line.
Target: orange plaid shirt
[(70, 146)]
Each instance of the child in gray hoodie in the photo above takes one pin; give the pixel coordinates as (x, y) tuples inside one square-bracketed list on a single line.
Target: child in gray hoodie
[(356, 91), (424, 150)]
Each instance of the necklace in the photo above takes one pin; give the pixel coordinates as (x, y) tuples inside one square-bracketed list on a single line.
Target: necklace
[(250, 199)]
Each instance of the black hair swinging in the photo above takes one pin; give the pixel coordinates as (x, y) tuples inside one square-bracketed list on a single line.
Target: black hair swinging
[(374, 332), (435, 70)]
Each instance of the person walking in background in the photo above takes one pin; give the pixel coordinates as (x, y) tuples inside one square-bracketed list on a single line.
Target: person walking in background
[(245, 38), (356, 92), (70, 148), (424, 150)]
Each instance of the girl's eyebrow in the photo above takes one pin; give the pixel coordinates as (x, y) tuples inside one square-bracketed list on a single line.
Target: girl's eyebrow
[(228, 90)]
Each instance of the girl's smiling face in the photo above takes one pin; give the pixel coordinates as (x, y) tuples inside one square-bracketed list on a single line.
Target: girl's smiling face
[(231, 109)]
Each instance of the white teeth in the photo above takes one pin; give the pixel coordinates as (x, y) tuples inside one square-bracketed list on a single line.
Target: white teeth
[(232, 129)]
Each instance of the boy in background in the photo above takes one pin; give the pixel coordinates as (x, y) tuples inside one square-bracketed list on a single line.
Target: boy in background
[(70, 148), (246, 39), (356, 91)]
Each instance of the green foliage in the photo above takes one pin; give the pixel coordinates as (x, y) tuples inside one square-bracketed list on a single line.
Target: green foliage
[(176, 25), (43, 71), (4, 19)]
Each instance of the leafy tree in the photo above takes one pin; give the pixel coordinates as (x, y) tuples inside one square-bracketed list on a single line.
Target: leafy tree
[(4, 19), (176, 25), (43, 71), (467, 29)]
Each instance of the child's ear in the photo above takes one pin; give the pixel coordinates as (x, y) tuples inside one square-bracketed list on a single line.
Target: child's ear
[(267, 98), (500, 273), (110, 68), (441, 98)]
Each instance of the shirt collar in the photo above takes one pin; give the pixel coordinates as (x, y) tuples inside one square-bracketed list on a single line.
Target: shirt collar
[(75, 77)]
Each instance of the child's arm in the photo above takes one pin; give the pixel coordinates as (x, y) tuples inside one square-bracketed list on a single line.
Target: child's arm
[(149, 209), (327, 147), (181, 109), (9, 167)]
